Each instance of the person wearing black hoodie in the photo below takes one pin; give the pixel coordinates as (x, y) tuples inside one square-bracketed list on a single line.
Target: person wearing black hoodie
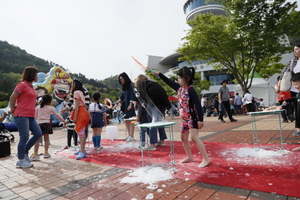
[(152, 90)]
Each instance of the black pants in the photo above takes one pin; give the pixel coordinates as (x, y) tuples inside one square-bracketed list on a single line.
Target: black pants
[(72, 133), (288, 113), (238, 109), (227, 107)]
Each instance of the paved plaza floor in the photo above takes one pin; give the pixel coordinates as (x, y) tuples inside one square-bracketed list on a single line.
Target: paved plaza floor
[(64, 178)]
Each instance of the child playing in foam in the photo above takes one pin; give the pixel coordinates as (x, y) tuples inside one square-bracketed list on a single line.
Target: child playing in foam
[(191, 112)]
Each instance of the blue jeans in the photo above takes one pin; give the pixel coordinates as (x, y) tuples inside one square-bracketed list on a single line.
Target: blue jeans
[(24, 124)]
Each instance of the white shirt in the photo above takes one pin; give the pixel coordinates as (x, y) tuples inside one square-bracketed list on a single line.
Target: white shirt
[(94, 107), (296, 70), (202, 101), (248, 98), (118, 107)]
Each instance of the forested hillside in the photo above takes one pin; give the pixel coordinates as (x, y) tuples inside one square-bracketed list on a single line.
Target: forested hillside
[(13, 60)]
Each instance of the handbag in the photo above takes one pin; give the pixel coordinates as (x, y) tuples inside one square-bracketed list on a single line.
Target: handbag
[(285, 83)]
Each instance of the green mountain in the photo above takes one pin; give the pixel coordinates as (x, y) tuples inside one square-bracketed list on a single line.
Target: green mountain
[(13, 60)]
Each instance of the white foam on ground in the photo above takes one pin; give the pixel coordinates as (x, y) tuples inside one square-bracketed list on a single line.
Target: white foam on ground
[(246, 156), (147, 175)]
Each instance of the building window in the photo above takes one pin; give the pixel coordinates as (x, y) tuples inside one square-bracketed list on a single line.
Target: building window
[(217, 79)]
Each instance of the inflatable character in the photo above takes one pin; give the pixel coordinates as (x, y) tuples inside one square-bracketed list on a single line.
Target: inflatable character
[(56, 82)]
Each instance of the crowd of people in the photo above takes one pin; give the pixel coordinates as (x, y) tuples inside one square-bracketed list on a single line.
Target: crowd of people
[(144, 101), (238, 105)]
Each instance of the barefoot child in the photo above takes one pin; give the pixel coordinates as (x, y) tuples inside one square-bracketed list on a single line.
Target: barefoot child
[(98, 120), (191, 112), (42, 116)]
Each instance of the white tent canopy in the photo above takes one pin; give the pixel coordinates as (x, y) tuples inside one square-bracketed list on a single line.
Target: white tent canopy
[(260, 89)]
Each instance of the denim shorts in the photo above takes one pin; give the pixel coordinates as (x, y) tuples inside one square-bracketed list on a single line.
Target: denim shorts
[(97, 120)]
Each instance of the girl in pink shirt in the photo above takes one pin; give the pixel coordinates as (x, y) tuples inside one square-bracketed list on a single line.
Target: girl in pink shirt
[(42, 116), (80, 116)]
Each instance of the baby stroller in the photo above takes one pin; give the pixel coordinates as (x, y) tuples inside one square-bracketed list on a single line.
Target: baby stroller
[(5, 141), (4, 131)]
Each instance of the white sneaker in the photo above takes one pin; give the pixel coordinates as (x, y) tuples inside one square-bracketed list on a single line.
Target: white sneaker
[(27, 158), (130, 139), (35, 157), (47, 155), (149, 148), (23, 164), (99, 148), (161, 143)]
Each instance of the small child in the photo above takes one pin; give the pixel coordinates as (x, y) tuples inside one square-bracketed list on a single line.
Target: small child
[(98, 119), (191, 112), (42, 116), (71, 132), (80, 116)]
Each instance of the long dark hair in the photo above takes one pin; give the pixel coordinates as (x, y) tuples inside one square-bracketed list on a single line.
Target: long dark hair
[(29, 73), (78, 85), (127, 81), (97, 97), (188, 74), (46, 99)]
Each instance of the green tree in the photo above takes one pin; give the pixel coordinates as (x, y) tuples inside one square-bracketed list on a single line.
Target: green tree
[(199, 83), (252, 36)]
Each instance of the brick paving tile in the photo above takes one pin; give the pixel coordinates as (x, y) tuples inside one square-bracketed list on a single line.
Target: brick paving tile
[(104, 193), (62, 178), (204, 194), (226, 196), (176, 190), (77, 192), (61, 198), (140, 191), (167, 197), (39, 190), (252, 198), (190, 193), (157, 194), (85, 194), (27, 194), (188, 182)]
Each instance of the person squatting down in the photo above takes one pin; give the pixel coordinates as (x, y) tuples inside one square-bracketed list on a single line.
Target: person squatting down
[(151, 92), (191, 112), (98, 120), (80, 116)]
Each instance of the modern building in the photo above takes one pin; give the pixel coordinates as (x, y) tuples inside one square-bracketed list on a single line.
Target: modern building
[(170, 63)]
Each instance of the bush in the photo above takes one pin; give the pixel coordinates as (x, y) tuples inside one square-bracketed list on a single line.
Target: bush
[(3, 104)]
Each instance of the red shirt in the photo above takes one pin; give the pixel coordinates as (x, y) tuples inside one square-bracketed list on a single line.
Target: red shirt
[(282, 96), (25, 103)]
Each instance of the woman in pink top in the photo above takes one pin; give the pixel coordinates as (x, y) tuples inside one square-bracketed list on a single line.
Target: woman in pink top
[(42, 116), (22, 104), (80, 116)]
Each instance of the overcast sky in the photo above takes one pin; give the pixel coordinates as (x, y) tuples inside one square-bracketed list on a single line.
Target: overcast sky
[(94, 37)]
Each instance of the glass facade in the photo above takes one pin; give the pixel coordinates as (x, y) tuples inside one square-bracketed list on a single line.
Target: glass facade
[(218, 78), (198, 62), (193, 4)]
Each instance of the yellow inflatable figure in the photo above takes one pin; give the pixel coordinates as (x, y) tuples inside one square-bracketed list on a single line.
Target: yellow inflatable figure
[(56, 82)]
